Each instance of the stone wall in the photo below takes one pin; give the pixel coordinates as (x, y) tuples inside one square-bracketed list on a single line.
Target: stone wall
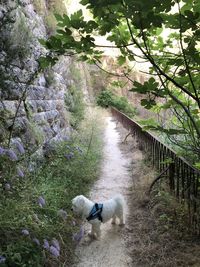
[(33, 109)]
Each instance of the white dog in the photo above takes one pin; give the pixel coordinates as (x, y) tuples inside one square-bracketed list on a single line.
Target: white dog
[(99, 213)]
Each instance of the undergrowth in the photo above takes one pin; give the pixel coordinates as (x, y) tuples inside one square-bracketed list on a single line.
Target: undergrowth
[(107, 99), (36, 225)]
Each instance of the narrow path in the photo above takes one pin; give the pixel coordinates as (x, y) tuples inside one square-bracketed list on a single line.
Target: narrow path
[(146, 240), (115, 178)]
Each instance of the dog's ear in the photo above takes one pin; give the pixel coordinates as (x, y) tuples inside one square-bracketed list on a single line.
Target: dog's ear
[(78, 201), (81, 201)]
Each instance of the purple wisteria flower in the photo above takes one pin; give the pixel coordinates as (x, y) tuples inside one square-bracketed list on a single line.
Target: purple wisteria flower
[(63, 214), (54, 251), (73, 223), (79, 149), (55, 243), (36, 241), (7, 187), (25, 232), (2, 151), (78, 236), (46, 244), (41, 201), (66, 138), (2, 259), (19, 147), (69, 155), (20, 172), (12, 155)]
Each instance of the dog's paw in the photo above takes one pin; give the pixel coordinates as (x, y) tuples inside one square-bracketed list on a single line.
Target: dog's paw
[(93, 236)]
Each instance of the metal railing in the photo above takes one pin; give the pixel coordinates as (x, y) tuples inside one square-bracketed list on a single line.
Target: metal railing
[(183, 179)]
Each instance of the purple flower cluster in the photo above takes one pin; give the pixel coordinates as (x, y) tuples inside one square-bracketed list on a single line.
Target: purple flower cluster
[(73, 223), (69, 155), (7, 187), (54, 248), (79, 149), (36, 241), (25, 232), (71, 151), (78, 236), (2, 259), (12, 155), (63, 214), (19, 147), (2, 151), (20, 172), (46, 244), (54, 251), (66, 138), (55, 243), (41, 201)]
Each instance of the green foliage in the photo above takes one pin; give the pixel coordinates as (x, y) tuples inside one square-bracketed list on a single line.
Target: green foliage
[(151, 124), (47, 10), (166, 34), (23, 253), (75, 105), (170, 214), (107, 99), (58, 180), (74, 98), (20, 38)]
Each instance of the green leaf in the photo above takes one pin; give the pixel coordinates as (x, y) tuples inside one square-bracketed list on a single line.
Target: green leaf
[(44, 62), (47, 61), (121, 60), (148, 104), (42, 42), (58, 17), (197, 165)]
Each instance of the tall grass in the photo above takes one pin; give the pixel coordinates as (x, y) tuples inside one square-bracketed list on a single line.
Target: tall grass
[(37, 206)]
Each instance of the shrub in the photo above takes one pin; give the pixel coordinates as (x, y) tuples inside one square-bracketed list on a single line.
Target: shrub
[(106, 99), (75, 105), (35, 209)]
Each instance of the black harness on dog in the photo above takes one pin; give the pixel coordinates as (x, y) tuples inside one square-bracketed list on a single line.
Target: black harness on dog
[(95, 213)]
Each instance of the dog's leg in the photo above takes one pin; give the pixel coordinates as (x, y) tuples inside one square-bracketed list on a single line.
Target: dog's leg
[(114, 219), (92, 233), (122, 222), (121, 218), (96, 231)]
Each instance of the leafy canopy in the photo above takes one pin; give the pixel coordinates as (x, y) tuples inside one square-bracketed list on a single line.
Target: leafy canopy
[(164, 33)]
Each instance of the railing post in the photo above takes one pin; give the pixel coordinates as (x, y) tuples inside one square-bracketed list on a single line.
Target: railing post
[(171, 176)]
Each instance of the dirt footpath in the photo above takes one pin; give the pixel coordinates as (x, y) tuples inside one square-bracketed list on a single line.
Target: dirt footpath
[(143, 241), (115, 178)]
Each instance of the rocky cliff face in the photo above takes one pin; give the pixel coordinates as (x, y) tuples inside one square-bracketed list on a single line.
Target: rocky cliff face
[(34, 107)]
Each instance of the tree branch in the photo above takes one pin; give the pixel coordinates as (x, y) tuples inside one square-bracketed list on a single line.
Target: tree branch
[(187, 67), (161, 72)]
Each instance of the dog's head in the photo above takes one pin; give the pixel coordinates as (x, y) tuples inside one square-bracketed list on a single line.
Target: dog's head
[(78, 204)]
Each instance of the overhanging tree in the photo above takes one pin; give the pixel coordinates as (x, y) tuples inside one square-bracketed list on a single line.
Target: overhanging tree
[(164, 33)]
